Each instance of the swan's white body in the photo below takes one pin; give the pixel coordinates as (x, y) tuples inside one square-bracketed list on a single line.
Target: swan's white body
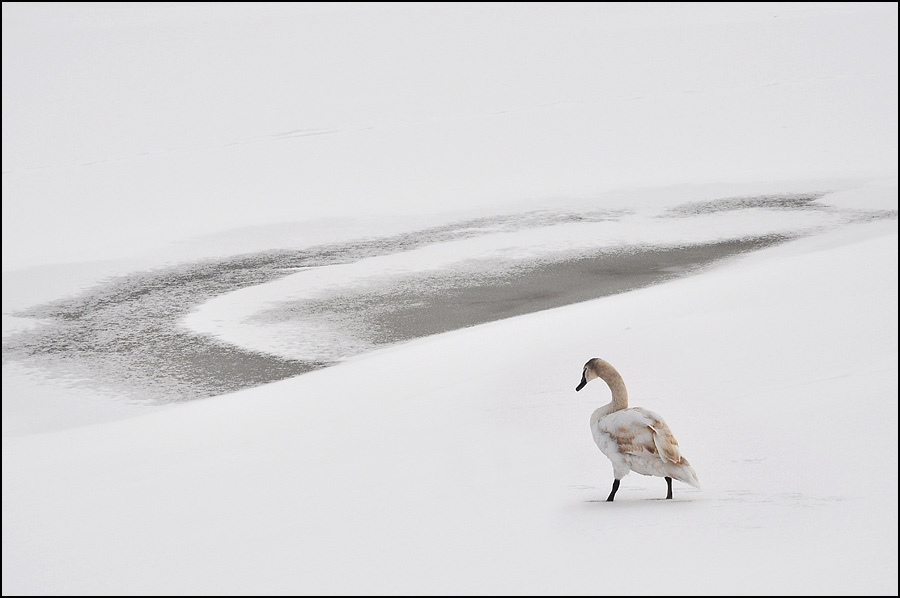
[(640, 441), (634, 439)]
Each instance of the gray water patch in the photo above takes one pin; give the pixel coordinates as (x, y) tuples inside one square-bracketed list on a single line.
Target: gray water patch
[(124, 334), (416, 306), (779, 202), (869, 215), (783, 201)]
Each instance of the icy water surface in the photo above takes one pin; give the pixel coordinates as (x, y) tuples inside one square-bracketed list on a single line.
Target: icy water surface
[(415, 306), (124, 333)]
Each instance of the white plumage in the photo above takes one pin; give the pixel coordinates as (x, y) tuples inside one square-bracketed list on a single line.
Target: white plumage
[(634, 439)]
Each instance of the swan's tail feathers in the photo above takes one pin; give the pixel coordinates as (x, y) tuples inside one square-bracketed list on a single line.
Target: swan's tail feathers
[(685, 473)]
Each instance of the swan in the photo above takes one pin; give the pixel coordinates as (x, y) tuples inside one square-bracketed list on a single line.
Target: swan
[(634, 439)]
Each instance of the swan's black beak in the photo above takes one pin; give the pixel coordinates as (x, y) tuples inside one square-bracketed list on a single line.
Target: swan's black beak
[(581, 384)]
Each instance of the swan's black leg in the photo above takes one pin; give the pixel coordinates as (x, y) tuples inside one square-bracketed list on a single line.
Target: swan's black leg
[(612, 494), (669, 482)]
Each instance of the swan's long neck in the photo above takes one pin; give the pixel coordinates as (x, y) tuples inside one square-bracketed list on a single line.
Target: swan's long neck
[(613, 379)]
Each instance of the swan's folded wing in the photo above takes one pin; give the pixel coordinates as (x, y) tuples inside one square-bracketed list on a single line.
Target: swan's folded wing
[(663, 439), (667, 445), (633, 433)]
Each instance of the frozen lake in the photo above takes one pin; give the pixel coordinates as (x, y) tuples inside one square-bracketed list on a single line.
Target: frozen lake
[(128, 336)]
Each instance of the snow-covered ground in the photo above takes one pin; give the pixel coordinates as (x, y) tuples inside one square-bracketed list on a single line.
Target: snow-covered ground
[(140, 136), (463, 463)]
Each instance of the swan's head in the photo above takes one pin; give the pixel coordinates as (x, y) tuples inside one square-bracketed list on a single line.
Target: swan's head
[(589, 372)]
